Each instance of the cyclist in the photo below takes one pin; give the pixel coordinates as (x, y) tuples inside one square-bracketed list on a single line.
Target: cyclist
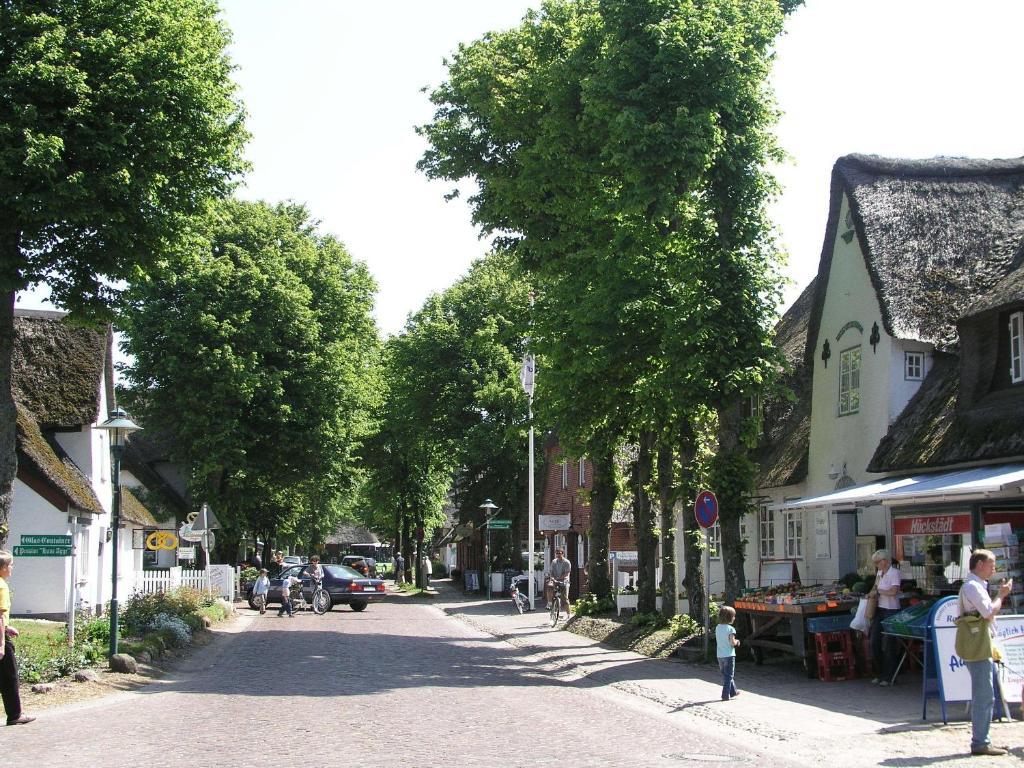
[(315, 570), (560, 571)]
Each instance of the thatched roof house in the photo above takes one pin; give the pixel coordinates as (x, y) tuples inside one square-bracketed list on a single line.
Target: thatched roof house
[(937, 236)]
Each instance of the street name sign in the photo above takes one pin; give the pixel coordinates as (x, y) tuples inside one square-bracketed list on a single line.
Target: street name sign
[(45, 540), (38, 550), (497, 525)]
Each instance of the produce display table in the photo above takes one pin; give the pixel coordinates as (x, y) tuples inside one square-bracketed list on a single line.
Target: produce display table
[(784, 627)]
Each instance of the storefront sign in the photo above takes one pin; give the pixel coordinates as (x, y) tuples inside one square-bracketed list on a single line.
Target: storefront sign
[(554, 522), (822, 534), (955, 679), (931, 525)]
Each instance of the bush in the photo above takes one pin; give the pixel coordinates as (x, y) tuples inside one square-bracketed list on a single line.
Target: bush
[(456, 574), (653, 620), (589, 605), (248, 575), (684, 625), (172, 629), (140, 610), (439, 570)]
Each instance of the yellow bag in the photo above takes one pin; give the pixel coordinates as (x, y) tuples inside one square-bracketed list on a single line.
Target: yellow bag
[(872, 608), (973, 640)]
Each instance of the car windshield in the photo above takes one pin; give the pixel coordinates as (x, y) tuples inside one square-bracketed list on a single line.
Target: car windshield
[(293, 571), (342, 572)]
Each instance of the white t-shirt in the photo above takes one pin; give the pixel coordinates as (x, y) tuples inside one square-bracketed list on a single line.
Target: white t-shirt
[(889, 580)]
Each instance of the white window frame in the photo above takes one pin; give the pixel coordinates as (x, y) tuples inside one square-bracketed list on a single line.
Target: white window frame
[(913, 366), (849, 380), (793, 522), (565, 475), (715, 540), (766, 533), (1017, 347), (583, 473)]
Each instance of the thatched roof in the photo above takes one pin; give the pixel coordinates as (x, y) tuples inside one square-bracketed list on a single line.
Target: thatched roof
[(134, 510), (1008, 291), (783, 453), (936, 235), (57, 368), (352, 534), (141, 453), (931, 432), (48, 461)]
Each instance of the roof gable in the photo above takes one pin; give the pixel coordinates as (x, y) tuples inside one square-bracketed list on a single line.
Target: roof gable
[(57, 368), (936, 235)]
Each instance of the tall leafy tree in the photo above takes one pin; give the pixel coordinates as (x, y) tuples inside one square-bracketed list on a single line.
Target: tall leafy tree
[(117, 120), (271, 321), (619, 150)]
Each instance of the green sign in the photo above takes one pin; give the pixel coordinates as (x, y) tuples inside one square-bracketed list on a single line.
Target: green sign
[(41, 551), (499, 524), (46, 540)]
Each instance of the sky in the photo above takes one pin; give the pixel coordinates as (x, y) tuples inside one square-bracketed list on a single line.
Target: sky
[(334, 88)]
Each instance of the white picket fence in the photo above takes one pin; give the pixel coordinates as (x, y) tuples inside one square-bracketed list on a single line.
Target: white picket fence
[(149, 582)]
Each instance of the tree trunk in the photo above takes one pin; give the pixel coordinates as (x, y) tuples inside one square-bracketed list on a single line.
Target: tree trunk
[(732, 478), (666, 505), (693, 535), (8, 416), (406, 545), (602, 501), (643, 519)]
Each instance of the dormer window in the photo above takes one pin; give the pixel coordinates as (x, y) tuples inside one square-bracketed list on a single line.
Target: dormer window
[(849, 381), (1017, 347), (913, 366)]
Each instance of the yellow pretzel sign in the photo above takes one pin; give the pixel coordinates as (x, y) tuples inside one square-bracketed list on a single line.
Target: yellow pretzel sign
[(161, 540)]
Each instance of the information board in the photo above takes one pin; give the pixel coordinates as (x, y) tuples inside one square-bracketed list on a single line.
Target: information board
[(472, 581), (954, 678), (46, 540)]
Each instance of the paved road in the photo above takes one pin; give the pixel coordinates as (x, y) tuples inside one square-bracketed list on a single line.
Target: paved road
[(400, 683)]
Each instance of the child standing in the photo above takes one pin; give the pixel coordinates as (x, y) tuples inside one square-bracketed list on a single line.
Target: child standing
[(260, 590), (726, 641)]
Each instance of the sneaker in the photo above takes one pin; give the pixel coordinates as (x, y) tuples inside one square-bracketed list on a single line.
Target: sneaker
[(21, 720), (988, 749), (884, 683), (876, 681)]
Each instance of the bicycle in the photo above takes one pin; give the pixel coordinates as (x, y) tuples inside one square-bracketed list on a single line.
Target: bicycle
[(320, 599), (558, 598), (298, 599), (520, 601)]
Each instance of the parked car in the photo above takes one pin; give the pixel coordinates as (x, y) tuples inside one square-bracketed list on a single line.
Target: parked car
[(365, 565), (344, 585), (294, 560)]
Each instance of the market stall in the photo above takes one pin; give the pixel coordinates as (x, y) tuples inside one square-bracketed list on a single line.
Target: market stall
[(783, 618)]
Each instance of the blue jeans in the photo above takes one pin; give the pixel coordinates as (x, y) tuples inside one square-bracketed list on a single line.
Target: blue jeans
[(286, 605), (982, 700), (727, 665)]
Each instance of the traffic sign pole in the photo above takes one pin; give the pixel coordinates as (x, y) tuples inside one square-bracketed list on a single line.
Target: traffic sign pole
[(705, 509)]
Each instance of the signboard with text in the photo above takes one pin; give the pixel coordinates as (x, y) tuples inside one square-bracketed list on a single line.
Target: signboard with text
[(46, 540), (554, 522), (41, 551)]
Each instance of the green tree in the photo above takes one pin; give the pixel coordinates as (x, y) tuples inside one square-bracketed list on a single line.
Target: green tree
[(118, 119), (271, 322), (619, 149)]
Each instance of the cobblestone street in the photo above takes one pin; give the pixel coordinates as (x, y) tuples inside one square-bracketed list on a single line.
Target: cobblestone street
[(399, 683)]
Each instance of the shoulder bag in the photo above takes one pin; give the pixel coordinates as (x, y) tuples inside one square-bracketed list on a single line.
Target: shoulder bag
[(973, 639)]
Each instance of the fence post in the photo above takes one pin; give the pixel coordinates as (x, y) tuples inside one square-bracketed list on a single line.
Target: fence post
[(175, 574)]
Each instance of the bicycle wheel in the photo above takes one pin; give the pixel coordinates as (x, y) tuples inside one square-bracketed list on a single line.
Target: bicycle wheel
[(554, 611), (321, 601), (518, 603)]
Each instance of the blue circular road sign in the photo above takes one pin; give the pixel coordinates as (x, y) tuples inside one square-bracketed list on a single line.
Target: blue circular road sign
[(706, 509)]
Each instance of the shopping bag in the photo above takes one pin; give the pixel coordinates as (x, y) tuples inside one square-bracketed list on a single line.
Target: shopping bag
[(860, 622), (872, 601)]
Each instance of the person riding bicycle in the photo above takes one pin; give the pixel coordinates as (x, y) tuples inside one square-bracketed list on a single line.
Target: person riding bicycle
[(560, 571), (315, 571)]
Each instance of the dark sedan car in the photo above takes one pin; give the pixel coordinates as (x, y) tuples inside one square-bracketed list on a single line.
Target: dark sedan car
[(344, 585)]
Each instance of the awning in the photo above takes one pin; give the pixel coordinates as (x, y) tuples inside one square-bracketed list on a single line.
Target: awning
[(957, 485)]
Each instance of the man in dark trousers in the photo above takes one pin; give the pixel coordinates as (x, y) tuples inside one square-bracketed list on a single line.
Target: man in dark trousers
[(399, 569)]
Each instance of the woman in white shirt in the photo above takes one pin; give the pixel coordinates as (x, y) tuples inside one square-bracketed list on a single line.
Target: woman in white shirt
[(884, 648)]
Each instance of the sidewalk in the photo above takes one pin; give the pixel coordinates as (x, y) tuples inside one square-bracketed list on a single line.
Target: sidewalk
[(848, 723)]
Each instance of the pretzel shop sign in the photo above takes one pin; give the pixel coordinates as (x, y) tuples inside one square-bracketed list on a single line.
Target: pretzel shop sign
[(931, 525)]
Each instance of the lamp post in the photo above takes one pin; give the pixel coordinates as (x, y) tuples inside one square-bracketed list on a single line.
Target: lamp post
[(527, 376), (117, 426), (490, 509)]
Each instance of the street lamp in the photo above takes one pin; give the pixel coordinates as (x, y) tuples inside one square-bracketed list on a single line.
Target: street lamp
[(490, 509), (118, 427), (527, 377)]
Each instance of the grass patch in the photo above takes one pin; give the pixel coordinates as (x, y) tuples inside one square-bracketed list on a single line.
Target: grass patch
[(621, 633), (411, 590)]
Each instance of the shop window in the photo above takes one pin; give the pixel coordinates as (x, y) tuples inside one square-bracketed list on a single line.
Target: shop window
[(913, 366), (565, 475), (766, 526), (1017, 347), (583, 473), (849, 381), (794, 534), (715, 541)]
